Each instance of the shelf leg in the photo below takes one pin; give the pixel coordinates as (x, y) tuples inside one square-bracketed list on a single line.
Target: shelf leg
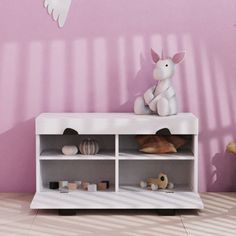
[(166, 212), (67, 212)]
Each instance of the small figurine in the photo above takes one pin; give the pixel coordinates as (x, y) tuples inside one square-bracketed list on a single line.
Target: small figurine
[(160, 99), (92, 188), (154, 187), (143, 184)]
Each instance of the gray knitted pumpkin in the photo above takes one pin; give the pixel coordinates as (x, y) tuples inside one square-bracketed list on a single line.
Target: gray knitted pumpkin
[(89, 147)]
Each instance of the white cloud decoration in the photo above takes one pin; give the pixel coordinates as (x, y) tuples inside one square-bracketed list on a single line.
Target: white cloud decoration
[(58, 9)]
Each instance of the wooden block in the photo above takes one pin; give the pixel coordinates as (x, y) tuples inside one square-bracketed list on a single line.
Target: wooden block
[(102, 186), (92, 188), (72, 186), (63, 184), (79, 184), (107, 182), (54, 185), (85, 185)]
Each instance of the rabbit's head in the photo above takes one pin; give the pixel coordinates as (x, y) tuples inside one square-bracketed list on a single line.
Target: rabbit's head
[(165, 67)]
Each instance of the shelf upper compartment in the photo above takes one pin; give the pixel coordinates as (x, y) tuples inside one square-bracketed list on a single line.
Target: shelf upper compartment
[(115, 123), (57, 155), (136, 155)]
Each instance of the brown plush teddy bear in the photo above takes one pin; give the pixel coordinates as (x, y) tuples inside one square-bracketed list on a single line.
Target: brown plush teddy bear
[(157, 144)]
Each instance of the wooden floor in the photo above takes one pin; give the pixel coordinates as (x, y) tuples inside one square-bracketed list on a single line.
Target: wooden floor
[(218, 219)]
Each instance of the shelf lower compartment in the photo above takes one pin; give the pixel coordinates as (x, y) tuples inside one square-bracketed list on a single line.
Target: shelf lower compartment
[(47, 190), (117, 200), (136, 188)]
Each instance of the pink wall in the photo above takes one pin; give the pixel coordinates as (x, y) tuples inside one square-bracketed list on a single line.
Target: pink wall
[(100, 61)]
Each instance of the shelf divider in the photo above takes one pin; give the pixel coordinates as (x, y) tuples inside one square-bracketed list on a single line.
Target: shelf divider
[(117, 163)]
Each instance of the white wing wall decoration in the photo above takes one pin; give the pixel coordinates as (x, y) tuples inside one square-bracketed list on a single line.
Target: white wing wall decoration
[(58, 9)]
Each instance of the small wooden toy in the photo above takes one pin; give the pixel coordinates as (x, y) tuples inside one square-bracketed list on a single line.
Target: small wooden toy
[(72, 186), (92, 188), (102, 186), (85, 185), (143, 184), (63, 184), (107, 182), (78, 183), (54, 185)]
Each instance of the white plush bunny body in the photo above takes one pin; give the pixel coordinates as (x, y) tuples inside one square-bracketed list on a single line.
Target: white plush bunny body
[(161, 98)]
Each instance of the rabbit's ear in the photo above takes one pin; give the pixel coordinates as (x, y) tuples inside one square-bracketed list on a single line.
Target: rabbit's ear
[(155, 56), (178, 57)]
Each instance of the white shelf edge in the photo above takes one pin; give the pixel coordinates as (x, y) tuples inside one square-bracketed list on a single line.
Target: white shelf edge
[(116, 200), (136, 188), (57, 155), (136, 155)]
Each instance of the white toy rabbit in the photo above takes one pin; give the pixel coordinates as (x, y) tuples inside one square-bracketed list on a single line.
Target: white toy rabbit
[(160, 99)]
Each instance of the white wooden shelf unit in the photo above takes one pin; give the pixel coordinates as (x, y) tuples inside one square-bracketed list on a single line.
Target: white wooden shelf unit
[(118, 161)]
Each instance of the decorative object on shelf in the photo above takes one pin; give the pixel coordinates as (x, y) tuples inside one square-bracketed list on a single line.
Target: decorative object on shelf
[(143, 184), (170, 185), (160, 144), (92, 188), (231, 147), (154, 187), (78, 183), (54, 185), (89, 147), (72, 186), (58, 9), (160, 99), (161, 181), (69, 150), (155, 144), (102, 186), (85, 185), (63, 184), (107, 182), (176, 140)]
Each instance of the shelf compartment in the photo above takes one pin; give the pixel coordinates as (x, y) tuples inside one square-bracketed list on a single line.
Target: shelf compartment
[(131, 172), (131, 154), (58, 155), (137, 188), (129, 149), (48, 143), (73, 170)]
